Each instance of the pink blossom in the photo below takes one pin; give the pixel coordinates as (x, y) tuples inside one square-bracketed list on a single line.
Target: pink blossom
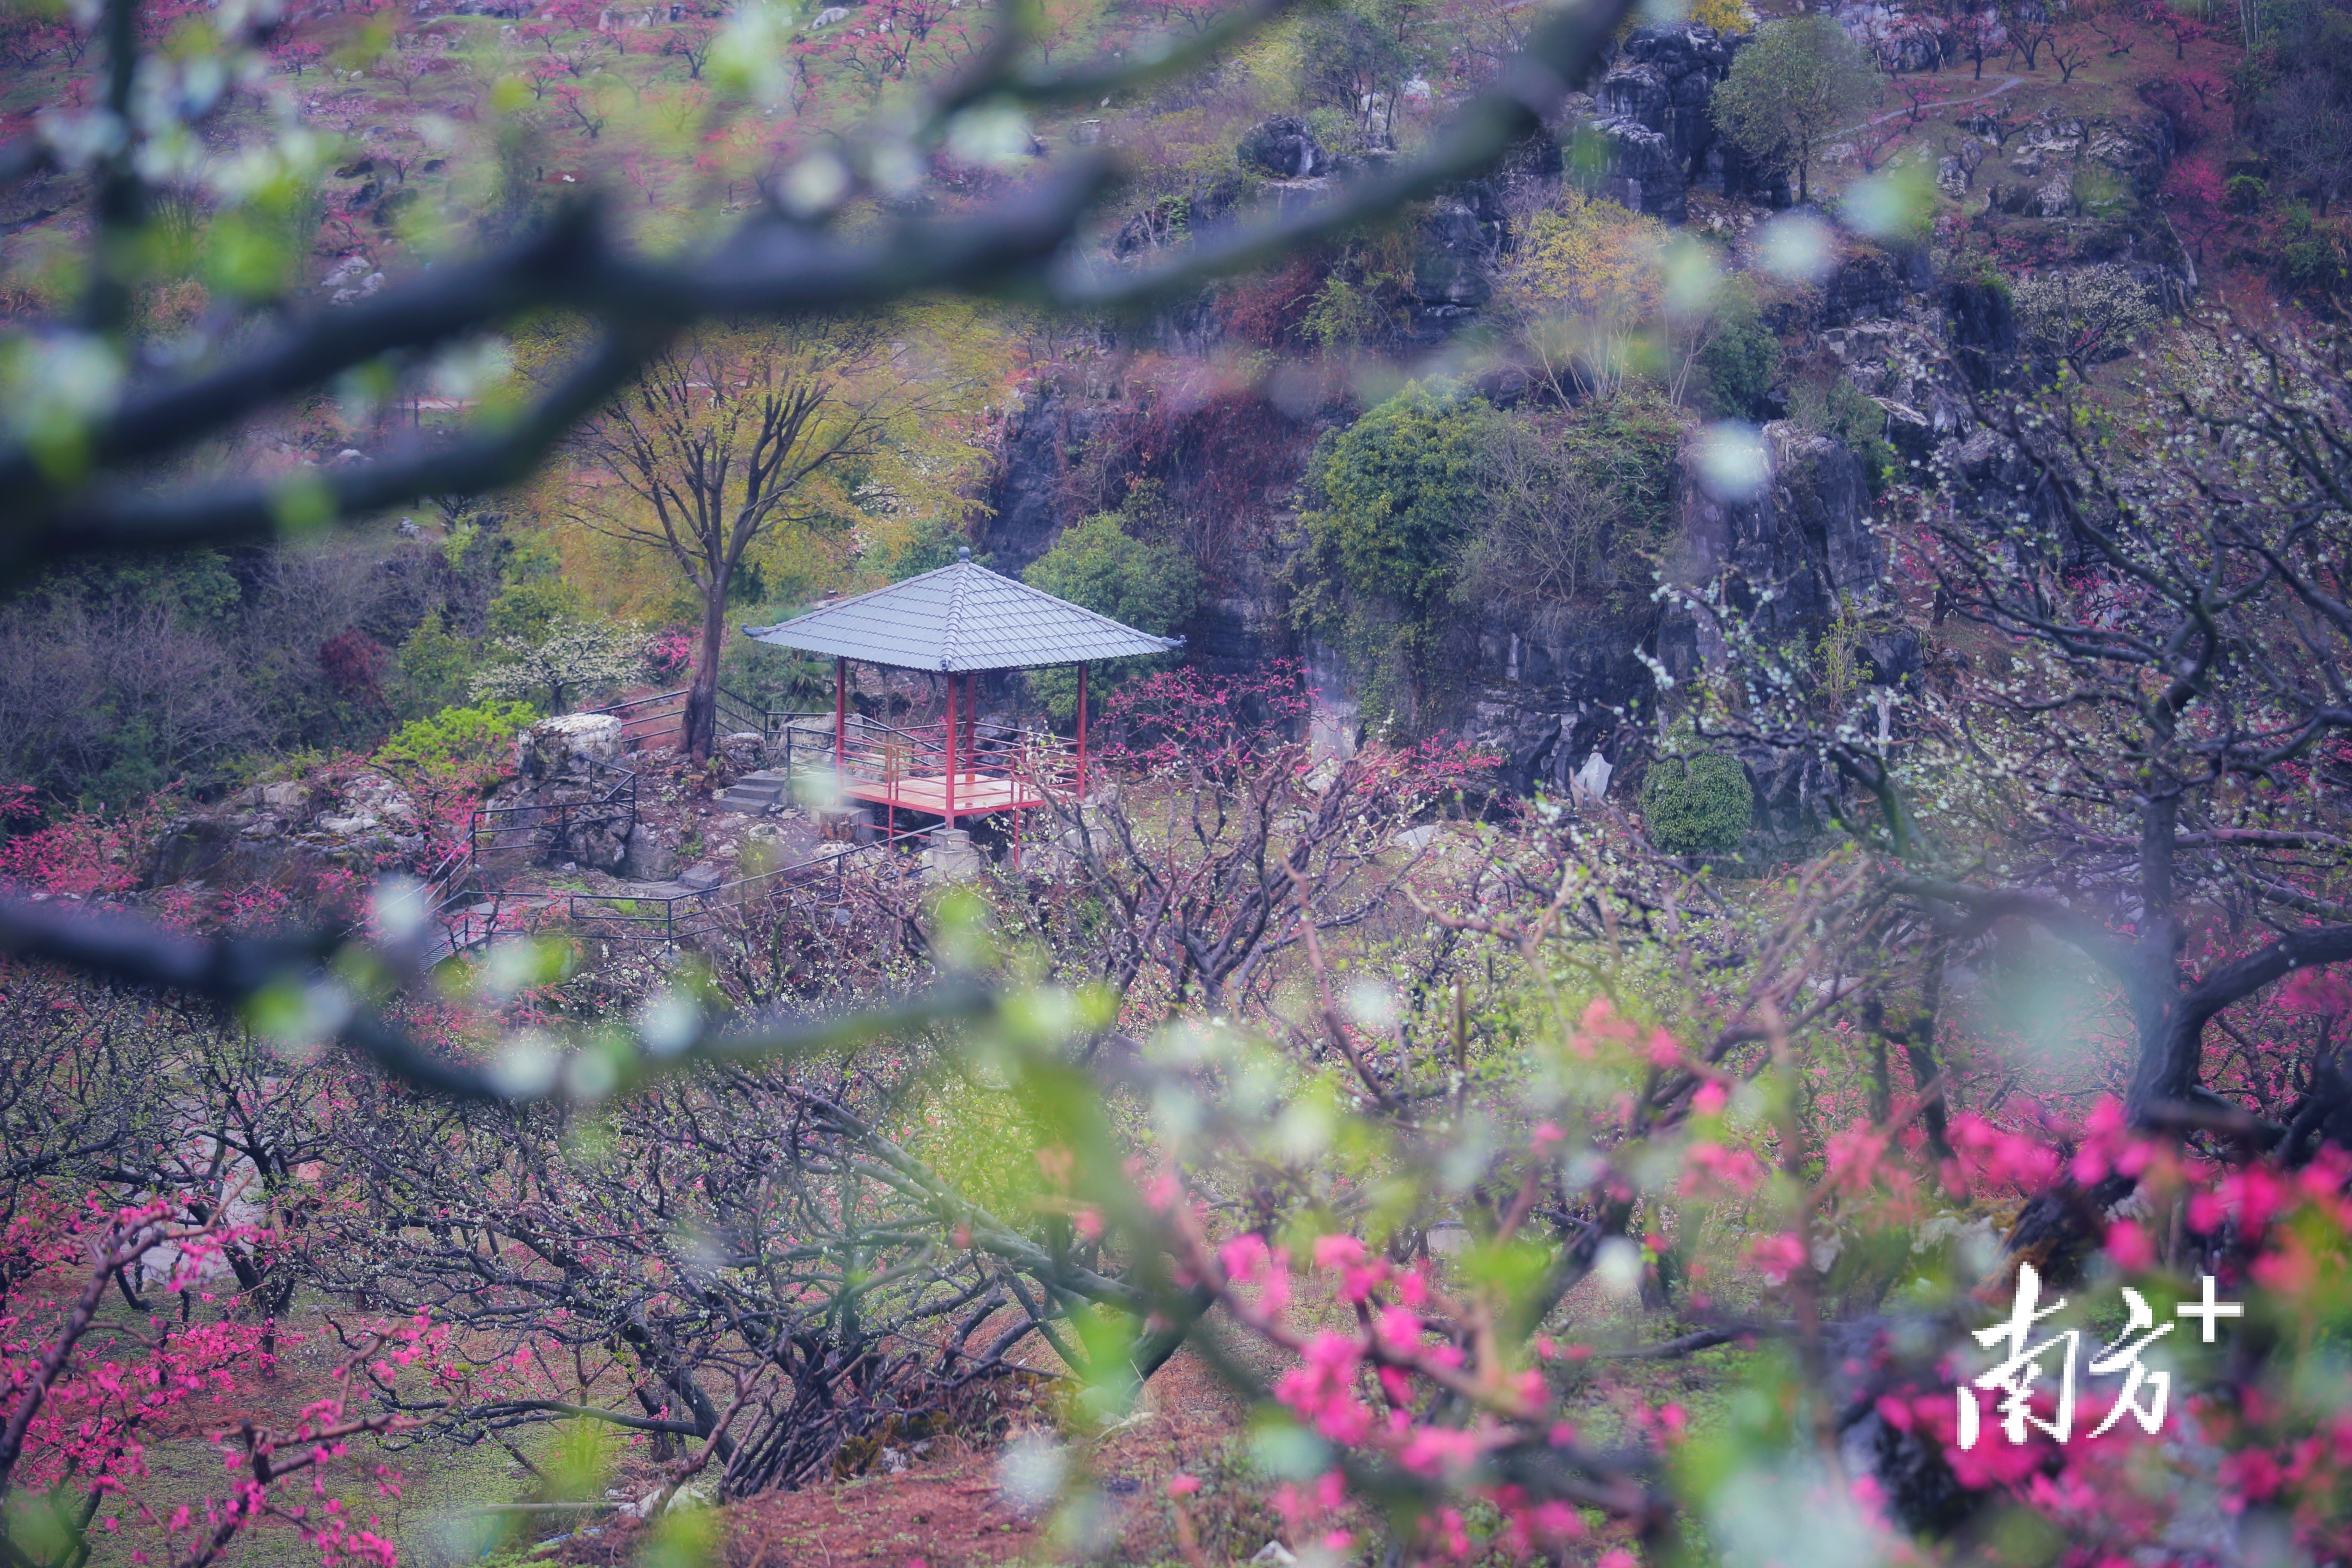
[(1778, 1256), (1338, 1251), (2128, 1245)]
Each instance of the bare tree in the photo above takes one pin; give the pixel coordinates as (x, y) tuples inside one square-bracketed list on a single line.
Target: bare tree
[(2151, 780), (2308, 122), (735, 436)]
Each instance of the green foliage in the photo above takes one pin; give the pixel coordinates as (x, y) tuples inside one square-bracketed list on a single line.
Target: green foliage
[(1360, 301), (769, 677), (1344, 314), (1397, 492), (1355, 57), (2101, 193), (1100, 565), (435, 668), (1699, 804), (1395, 496), (2247, 191), (525, 607), (2314, 256), (1800, 81), (1573, 509), (1741, 361), (458, 745), (195, 585), (1830, 405), (928, 546)]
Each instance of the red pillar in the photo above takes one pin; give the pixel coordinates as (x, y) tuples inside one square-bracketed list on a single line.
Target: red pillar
[(1082, 734), (950, 812), (840, 720)]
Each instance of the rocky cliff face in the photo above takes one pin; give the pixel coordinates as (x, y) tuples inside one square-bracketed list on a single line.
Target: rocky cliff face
[(1551, 689), (1041, 437), (1803, 534), (1652, 122)]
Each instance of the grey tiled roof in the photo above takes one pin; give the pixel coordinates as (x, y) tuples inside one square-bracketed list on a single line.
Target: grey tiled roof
[(961, 618)]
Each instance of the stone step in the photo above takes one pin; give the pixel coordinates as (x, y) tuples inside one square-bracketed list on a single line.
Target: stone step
[(754, 794)]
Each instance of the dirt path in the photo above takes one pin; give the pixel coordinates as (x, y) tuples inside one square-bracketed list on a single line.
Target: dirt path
[(1927, 108)]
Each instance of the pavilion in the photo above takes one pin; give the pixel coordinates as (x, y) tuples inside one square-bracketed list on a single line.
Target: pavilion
[(959, 622)]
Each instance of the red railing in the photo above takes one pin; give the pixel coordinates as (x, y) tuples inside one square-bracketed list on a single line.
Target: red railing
[(886, 756)]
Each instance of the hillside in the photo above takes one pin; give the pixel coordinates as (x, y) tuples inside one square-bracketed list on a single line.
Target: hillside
[(1749, 766)]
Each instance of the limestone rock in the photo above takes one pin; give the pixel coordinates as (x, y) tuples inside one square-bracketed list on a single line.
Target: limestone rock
[(1653, 122), (291, 798), (1454, 272), (1981, 330), (1805, 534), (564, 747), (1639, 171), (743, 752), (1285, 148), (1872, 284), (647, 856)]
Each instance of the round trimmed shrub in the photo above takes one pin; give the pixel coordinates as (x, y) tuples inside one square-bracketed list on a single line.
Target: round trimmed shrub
[(1696, 805)]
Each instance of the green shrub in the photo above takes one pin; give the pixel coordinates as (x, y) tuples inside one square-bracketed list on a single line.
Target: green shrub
[(1100, 565), (436, 666), (1697, 805), (1398, 489), (1741, 361), (458, 745), (928, 546), (1835, 405), (2246, 192), (1394, 498), (1574, 508)]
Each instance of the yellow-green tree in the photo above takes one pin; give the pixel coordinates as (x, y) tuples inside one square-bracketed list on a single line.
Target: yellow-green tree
[(772, 438), (1801, 80), (1588, 278)]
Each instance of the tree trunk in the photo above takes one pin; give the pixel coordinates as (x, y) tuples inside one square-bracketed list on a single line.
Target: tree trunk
[(702, 696), (2155, 998)]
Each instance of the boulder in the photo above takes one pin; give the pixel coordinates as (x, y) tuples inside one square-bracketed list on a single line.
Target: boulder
[(1284, 147), (744, 752), (1638, 169), (289, 799), (565, 747), (647, 856), (1552, 688), (1453, 273), (1872, 284), (1654, 124), (1794, 791)]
